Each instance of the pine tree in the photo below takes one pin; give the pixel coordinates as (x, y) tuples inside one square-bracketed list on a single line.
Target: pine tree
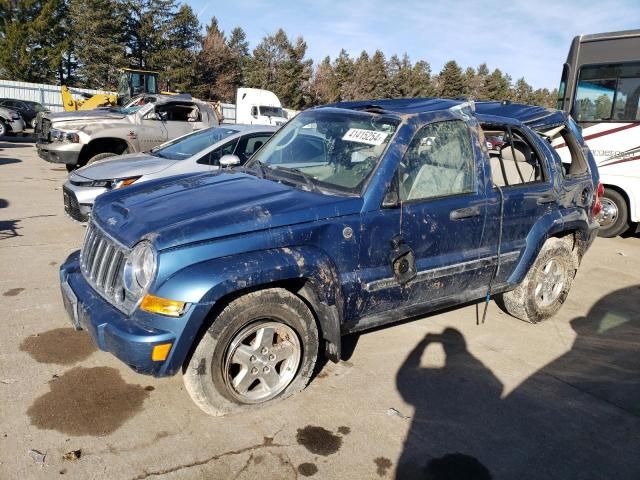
[(378, 80), (522, 92), (240, 46), (183, 43), (279, 66), (451, 81), (343, 69), (324, 84), (99, 42), (147, 31), (216, 66), (498, 86)]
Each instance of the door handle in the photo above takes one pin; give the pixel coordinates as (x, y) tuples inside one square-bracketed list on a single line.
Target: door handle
[(543, 199), (463, 213)]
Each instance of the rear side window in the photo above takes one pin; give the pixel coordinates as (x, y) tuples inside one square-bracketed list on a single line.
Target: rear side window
[(514, 161), (438, 163)]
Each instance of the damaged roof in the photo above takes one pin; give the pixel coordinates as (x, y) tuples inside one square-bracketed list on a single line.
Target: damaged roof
[(528, 114)]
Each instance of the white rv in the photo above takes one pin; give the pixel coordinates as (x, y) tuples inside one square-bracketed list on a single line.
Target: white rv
[(254, 106), (600, 87)]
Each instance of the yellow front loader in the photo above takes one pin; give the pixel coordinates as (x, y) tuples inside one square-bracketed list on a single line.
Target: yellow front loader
[(131, 83)]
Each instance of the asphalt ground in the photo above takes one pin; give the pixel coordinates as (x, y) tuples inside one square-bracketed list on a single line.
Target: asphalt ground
[(427, 398)]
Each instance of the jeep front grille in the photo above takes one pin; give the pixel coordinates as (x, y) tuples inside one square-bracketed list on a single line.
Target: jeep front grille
[(102, 262)]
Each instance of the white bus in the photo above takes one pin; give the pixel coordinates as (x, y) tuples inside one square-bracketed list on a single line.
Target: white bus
[(600, 87)]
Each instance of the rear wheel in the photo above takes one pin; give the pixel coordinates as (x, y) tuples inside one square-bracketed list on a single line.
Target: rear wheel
[(614, 216), (100, 156), (546, 285), (262, 348)]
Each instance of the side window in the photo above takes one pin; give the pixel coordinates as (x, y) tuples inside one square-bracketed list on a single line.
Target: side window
[(214, 156), (514, 161), (608, 92), (176, 112), (438, 163), (249, 145)]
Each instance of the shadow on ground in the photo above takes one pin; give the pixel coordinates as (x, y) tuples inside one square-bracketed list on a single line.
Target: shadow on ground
[(9, 229), (578, 417)]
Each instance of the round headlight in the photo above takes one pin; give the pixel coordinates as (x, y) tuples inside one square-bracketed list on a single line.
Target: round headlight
[(140, 268)]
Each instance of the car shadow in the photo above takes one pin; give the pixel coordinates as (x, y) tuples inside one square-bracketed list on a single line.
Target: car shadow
[(9, 161), (577, 417)]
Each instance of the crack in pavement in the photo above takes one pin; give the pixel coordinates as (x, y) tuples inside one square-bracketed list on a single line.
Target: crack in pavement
[(268, 443)]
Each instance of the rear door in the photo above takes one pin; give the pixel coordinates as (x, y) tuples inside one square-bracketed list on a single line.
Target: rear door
[(524, 175)]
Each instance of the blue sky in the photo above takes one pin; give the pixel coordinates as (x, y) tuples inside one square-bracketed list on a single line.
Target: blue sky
[(523, 38)]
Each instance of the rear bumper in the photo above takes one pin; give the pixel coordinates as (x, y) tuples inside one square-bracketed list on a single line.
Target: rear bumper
[(55, 155), (130, 338)]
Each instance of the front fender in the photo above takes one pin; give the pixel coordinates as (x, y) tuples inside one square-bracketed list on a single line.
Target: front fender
[(207, 282)]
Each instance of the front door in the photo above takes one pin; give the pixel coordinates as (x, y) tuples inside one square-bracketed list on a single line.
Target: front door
[(437, 224)]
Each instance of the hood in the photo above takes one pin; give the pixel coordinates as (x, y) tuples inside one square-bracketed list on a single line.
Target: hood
[(131, 165), (198, 207), (84, 115)]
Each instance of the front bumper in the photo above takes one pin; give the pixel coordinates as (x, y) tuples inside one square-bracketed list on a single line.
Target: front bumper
[(56, 152), (79, 200), (130, 338)]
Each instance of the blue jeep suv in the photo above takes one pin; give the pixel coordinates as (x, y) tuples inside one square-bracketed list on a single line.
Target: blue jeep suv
[(352, 216)]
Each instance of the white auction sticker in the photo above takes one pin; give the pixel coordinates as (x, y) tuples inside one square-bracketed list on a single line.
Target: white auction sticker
[(360, 135)]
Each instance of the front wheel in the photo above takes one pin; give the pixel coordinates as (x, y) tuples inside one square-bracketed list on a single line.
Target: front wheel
[(4, 130), (614, 216), (546, 285), (260, 349)]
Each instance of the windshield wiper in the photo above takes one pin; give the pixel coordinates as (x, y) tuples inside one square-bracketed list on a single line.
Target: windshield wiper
[(310, 183)]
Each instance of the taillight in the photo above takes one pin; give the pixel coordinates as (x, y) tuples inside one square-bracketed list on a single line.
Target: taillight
[(597, 205)]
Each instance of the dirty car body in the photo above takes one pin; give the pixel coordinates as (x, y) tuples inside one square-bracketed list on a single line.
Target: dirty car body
[(367, 212)]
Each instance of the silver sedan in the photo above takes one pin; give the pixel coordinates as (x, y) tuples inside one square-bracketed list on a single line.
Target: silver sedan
[(195, 152)]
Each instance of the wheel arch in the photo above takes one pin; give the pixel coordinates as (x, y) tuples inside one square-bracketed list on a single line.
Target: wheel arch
[(304, 271), (102, 145)]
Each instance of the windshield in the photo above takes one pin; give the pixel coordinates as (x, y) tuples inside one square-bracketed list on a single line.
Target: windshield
[(330, 147), (271, 111), (191, 144)]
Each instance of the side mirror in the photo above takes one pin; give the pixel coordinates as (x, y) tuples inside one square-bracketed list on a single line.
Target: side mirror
[(152, 116), (254, 111), (163, 116), (229, 161)]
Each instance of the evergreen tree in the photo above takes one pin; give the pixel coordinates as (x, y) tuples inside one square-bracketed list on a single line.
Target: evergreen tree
[(240, 46), (99, 42), (343, 69), (324, 85), (216, 66), (183, 44), (379, 85), (147, 32), (359, 86), (451, 81), (522, 92), (279, 66), (498, 86)]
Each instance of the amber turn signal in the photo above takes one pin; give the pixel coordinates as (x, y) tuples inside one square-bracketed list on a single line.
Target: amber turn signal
[(163, 306), (160, 352)]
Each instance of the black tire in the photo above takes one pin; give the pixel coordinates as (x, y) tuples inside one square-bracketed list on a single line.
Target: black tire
[(543, 291), (101, 156), (4, 130), (614, 217), (208, 374)]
